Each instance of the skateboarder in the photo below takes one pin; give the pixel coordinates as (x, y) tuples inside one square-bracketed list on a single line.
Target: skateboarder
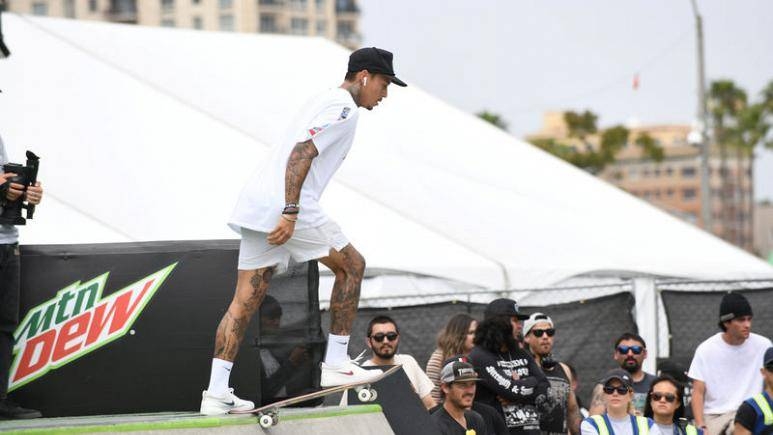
[(278, 216)]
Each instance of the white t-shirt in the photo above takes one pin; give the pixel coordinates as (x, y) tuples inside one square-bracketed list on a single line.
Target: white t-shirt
[(329, 120), (731, 373), (619, 427), (420, 381)]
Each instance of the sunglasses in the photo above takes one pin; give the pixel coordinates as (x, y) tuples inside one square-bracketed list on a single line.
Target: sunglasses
[(622, 350), (670, 398), (391, 336), (539, 332), (620, 390)]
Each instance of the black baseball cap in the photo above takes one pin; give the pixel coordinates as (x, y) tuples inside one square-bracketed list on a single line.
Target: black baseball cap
[(503, 307), (375, 60)]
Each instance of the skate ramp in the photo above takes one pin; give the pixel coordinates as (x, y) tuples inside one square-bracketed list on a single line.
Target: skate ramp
[(351, 420)]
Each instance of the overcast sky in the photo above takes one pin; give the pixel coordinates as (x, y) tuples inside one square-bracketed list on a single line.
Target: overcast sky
[(522, 58)]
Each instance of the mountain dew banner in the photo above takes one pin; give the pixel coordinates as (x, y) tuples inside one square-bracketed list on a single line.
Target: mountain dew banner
[(126, 328), (77, 321)]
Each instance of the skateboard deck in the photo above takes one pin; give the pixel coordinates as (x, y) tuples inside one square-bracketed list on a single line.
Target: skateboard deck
[(268, 415)]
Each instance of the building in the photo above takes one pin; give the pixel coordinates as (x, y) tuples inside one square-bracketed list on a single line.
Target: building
[(333, 19), (763, 230), (674, 184)]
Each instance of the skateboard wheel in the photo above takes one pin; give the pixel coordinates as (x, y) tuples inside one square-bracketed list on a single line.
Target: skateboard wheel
[(266, 421), (364, 395), (373, 395)]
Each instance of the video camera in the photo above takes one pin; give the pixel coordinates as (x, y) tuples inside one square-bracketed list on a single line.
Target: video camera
[(26, 175)]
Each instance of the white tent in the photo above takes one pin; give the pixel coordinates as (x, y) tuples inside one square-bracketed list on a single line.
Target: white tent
[(149, 133)]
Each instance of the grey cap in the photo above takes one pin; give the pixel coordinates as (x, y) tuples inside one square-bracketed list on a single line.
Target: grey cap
[(621, 375)]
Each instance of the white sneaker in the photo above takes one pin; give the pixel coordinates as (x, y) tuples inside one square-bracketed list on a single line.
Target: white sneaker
[(213, 405), (347, 373)]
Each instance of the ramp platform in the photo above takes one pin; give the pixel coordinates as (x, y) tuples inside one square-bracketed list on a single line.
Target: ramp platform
[(333, 420)]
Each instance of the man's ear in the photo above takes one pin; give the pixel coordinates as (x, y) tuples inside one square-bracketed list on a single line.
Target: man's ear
[(367, 340)]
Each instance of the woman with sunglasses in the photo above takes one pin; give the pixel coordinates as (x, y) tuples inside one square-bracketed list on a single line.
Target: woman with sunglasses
[(664, 405), (455, 339), (618, 418)]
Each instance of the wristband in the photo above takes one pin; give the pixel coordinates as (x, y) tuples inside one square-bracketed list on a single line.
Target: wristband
[(291, 208), (288, 219)]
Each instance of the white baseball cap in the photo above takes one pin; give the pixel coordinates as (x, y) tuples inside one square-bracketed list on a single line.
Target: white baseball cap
[(533, 320)]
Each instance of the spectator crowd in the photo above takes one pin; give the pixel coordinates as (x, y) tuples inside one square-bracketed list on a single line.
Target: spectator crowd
[(498, 375)]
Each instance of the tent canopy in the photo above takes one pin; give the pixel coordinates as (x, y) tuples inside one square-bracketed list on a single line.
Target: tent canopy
[(149, 134)]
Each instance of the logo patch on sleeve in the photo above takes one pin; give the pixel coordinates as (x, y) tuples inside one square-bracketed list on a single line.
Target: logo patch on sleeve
[(315, 130), (344, 113)]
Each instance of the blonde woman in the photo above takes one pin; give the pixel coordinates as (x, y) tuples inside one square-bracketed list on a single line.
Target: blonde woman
[(455, 339), (619, 419)]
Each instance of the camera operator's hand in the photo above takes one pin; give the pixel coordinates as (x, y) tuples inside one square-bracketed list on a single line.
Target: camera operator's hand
[(34, 193), (283, 231), (15, 190)]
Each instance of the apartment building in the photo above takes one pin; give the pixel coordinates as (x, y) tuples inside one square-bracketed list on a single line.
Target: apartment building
[(333, 19), (763, 230), (674, 184)]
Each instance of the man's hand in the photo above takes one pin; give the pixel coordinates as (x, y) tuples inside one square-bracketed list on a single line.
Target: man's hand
[(34, 193), (15, 190), (283, 231)]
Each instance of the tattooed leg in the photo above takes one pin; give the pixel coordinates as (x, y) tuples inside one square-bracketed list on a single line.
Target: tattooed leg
[(348, 266), (251, 286)]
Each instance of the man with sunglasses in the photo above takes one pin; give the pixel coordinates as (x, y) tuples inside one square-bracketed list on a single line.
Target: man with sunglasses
[(755, 415), (725, 367), (538, 332), (383, 339), (455, 416), (630, 353)]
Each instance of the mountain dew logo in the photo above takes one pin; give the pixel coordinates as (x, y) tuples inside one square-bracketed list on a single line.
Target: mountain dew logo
[(75, 322)]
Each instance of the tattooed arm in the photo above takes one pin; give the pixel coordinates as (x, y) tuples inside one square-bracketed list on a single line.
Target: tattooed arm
[(597, 405), (573, 416), (298, 165)]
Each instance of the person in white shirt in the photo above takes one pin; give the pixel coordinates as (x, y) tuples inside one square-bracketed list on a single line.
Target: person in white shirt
[(278, 216), (725, 367), (383, 339)]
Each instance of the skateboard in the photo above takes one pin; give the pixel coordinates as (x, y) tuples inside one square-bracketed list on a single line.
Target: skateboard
[(268, 415)]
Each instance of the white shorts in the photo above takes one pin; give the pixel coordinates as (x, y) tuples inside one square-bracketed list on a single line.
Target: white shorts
[(307, 244)]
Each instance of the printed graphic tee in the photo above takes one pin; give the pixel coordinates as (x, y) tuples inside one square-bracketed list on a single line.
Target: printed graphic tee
[(515, 377), (330, 121)]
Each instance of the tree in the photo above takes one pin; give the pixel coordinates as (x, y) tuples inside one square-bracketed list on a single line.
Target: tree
[(739, 126), (650, 148), (595, 158), (493, 119)]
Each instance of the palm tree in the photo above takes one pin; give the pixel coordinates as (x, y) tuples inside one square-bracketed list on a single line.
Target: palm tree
[(726, 101)]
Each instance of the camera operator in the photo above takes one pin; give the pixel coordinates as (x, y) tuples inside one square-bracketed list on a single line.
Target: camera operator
[(9, 285)]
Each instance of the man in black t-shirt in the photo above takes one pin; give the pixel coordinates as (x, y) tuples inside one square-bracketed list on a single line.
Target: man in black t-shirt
[(457, 380)]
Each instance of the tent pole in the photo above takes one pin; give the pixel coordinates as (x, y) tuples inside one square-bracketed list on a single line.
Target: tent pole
[(647, 318)]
